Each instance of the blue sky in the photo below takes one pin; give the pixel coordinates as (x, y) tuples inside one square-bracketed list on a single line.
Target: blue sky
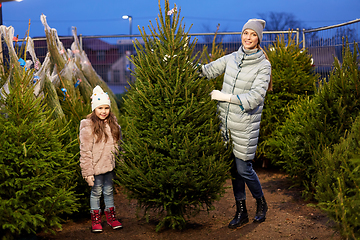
[(104, 17)]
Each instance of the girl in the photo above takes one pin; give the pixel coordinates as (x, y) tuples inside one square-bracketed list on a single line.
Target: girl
[(246, 80), (99, 138)]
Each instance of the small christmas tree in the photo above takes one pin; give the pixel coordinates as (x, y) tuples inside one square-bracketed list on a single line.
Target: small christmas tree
[(338, 182), (36, 170), (174, 160), (293, 79), (320, 122)]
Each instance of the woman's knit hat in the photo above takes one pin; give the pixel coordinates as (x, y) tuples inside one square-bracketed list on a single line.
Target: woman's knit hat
[(99, 97), (257, 25)]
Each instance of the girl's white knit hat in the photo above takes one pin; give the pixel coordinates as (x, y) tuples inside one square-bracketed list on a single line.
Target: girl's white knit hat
[(256, 25), (98, 98)]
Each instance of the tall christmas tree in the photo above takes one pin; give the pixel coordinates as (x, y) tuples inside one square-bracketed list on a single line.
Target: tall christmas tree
[(174, 160)]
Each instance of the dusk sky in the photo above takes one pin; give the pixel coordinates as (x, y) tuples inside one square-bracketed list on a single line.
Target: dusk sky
[(104, 17)]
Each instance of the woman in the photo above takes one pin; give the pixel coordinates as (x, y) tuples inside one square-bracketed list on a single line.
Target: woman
[(246, 80)]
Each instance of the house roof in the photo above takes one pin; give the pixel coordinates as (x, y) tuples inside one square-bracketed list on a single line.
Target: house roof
[(96, 44), (93, 44)]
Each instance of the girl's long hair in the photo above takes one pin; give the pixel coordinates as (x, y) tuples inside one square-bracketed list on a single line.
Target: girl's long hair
[(99, 127)]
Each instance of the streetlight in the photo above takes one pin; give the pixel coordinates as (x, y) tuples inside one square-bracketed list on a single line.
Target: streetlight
[(130, 22), (1, 1)]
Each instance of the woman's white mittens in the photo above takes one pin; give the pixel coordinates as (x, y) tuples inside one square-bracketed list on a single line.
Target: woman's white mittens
[(217, 95)]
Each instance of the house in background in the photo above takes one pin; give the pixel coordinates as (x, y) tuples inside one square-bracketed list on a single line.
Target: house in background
[(40, 46), (119, 73), (100, 53), (102, 56)]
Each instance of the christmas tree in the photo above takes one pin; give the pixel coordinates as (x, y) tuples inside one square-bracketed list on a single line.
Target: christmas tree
[(321, 121), (36, 169), (174, 161), (337, 183), (63, 82), (293, 79)]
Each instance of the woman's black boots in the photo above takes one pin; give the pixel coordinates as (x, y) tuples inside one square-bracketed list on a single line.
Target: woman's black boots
[(261, 209), (241, 216)]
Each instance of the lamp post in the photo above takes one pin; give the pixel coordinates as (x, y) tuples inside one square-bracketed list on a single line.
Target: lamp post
[(130, 22)]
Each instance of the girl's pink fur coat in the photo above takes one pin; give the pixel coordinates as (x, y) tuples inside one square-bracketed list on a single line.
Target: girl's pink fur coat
[(95, 158)]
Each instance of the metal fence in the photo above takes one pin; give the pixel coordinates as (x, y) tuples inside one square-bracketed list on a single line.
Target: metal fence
[(327, 42), (108, 54)]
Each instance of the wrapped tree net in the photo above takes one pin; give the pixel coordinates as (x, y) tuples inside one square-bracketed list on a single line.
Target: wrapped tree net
[(8, 34), (65, 79), (89, 72)]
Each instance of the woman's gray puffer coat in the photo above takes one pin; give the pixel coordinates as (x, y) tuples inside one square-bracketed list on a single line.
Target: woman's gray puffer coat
[(247, 77)]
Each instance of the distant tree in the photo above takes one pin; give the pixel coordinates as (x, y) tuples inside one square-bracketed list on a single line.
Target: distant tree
[(210, 38), (347, 33), (338, 39), (280, 21)]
